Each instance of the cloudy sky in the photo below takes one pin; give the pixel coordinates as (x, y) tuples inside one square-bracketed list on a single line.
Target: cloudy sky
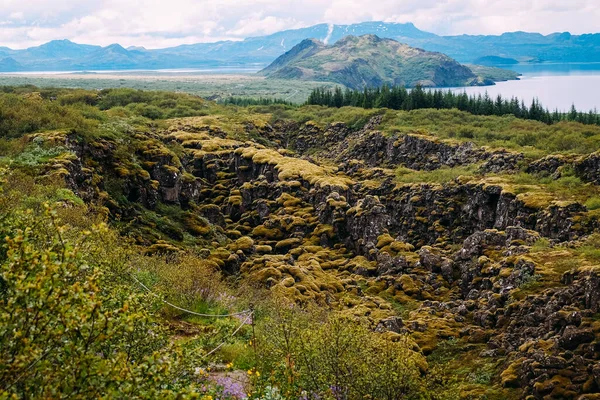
[(163, 23)]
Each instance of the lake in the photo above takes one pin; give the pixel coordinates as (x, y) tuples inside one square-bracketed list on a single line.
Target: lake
[(557, 86)]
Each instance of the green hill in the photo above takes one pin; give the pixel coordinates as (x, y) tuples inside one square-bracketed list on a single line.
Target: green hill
[(370, 61)]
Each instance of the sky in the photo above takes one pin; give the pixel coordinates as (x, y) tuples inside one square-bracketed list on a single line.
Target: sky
[(165, 23)]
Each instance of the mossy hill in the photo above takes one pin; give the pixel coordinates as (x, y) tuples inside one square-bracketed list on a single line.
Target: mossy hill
[(370, 61), (438, 253)]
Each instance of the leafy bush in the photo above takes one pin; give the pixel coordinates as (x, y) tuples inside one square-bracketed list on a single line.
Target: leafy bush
[(58, 308), (306, 356), (71, 324), (22, 114)]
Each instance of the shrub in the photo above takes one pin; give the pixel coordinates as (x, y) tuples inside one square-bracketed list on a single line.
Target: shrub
[(59, 307), (593, 203), (71, 322), (305, 354)]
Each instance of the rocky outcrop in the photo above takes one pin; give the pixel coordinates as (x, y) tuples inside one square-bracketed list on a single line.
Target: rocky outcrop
[(454, 261), (549, 165), (413, 151), (588, 168)]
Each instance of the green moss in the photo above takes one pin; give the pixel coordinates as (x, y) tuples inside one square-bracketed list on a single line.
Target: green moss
[(593, 203)]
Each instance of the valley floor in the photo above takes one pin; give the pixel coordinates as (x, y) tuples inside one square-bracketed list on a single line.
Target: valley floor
[(213, 86)]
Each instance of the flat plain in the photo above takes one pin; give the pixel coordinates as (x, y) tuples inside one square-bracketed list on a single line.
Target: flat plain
[(211, 86)]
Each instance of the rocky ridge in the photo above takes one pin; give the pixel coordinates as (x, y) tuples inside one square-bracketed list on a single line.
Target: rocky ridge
[(317, 213)]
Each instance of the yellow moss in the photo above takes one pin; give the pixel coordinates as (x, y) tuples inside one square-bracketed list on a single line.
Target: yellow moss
[(510, 376), (244, 243), (145, 175), (171, 169), (53, 137), (122, 171), (324, 229), (287, 200), (288, 282), (288, 243), (294, 168), (435, 329), (269, 233), (161, 247), (187, 138), (557, 387), (360, 262), (536, 200), (188, 178), (384, 240), (505, 272), (401, 246), (408, 285), (197, 225), (235, 200)]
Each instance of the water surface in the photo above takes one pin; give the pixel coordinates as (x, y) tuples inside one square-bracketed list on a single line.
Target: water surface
[(556, 86)]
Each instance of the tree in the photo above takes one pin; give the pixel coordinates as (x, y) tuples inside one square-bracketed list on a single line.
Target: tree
[(70, 329)]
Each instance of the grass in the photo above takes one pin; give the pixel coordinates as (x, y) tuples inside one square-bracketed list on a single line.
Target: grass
[(441, 175), (593, 203), (215, 87), (533, 138), (591, 248)]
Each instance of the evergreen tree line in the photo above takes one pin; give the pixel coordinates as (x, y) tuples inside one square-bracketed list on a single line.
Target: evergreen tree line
[(399, 98), (244, 102)]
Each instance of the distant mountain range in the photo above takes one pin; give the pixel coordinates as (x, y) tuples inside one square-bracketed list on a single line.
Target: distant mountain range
[(508, 48), (370, 61)]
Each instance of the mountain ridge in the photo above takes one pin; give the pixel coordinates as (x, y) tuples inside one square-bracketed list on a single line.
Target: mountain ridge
[(370, 61), (262, 50)]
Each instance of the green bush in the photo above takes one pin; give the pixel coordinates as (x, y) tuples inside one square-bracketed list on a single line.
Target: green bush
[(334, 357), (593, 203), (58, 307), (72, 323)]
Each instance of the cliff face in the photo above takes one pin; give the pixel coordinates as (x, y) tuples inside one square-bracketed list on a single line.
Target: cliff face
[(318, 213)]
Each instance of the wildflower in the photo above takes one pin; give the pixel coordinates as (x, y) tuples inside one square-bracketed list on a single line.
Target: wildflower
[(249, 372), (257, 374)]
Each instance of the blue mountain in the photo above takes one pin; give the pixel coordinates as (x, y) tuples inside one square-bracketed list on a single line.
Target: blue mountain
[(507, 48)]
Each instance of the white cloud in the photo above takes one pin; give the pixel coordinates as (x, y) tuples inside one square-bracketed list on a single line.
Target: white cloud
[(258, 23), (160, 23)]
